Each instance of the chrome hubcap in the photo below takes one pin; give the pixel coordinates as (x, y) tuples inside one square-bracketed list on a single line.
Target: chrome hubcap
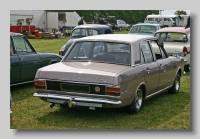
[(138, 99), (177, 85)]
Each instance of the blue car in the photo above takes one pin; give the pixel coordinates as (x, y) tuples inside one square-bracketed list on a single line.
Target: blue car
[(145, 29), (83, 31)]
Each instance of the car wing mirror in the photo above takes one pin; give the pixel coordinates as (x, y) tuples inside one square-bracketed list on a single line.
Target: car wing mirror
[(11, 53), (161, 44)]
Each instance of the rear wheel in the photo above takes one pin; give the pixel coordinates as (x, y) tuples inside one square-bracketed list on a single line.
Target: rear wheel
[(176, 85), (137, 102)]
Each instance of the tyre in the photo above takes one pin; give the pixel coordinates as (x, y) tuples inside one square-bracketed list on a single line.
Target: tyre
[(176, 85), (120, 29), (187, 68), (137, 102)]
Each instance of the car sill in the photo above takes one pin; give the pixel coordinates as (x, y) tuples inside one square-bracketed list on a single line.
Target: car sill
[(158, 92)]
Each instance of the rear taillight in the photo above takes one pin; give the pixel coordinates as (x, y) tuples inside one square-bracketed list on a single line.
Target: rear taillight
[(185, 50), (113, 91), (40, 84)]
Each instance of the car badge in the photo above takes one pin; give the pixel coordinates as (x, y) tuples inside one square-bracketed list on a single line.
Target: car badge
[(97, 89)]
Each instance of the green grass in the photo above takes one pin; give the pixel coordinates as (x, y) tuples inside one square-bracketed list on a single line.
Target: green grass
[(164, 111)]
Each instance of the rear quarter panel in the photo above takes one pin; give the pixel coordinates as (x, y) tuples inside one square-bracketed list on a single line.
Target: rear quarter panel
[(129, 81)]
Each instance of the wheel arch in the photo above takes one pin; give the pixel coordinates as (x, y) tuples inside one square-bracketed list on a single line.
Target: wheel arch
[(53, 62), (144, 88)]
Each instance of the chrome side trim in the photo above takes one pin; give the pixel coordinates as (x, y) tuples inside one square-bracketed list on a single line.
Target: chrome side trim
[(21, 83), (74, 98), (158, 91)]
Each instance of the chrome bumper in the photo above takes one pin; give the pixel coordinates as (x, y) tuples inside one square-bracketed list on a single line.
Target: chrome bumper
[(75, 100)]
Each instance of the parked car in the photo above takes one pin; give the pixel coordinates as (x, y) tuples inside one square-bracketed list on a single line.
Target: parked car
[(120, 24), (110, 77), (25, 61), (145, 29), (176, 40), (84, 31)]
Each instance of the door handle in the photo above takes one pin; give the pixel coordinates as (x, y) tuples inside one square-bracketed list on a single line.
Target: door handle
[(148, 70), (161, 66)]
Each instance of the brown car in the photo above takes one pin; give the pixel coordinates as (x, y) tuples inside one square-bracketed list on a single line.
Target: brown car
[(110, 71)]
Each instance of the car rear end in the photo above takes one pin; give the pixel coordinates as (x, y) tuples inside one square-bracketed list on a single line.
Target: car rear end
[(67, 86)]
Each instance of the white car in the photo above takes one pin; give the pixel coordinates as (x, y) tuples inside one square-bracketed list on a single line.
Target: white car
[(176, 41)]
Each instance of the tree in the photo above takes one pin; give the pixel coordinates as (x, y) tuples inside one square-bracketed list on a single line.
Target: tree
[(129, 16), (180, 12)]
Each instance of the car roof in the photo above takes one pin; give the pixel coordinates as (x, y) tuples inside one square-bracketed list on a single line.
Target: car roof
[(15, 34), (129, 38), (92, 26), (148, 24), (161, 16), (174, 29)]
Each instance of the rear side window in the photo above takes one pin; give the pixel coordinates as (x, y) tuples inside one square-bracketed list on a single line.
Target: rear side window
[(150, 19), (146, 52)]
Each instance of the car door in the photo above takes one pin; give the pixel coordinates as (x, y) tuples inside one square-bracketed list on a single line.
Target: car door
[(14, 65), (166, 68), (152, 69), (28, 58)]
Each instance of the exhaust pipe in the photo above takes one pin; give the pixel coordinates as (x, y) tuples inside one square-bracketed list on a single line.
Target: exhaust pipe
[(52, 105), (71, 103)]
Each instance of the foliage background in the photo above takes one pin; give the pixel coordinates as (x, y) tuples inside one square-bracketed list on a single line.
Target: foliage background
[(129, 16)]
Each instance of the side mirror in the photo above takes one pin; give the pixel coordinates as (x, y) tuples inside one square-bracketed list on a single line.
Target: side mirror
[(11, 53), (161, 44)]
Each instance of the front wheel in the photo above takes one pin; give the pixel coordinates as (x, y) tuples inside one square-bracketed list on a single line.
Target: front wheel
[(137, 102), (176, 85)]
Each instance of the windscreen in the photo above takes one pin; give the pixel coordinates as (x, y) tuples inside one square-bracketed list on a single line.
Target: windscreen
[(172, 37)]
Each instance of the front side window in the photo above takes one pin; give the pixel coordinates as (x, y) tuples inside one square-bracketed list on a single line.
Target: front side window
[(99, 51), (21, 45)]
